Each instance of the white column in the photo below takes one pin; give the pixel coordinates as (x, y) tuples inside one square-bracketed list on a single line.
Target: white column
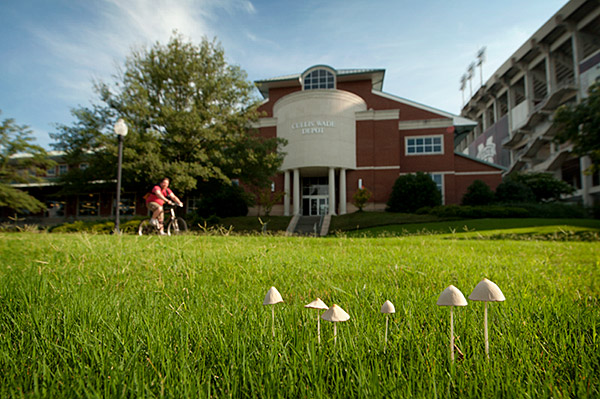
[(577, 46), (586, 180), (331, 191), (296, 191), (550, 70), (342, 191), (286, 196)]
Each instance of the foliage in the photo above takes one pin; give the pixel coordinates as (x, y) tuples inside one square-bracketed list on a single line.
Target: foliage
[(361, 197), (266, 199), (580, 125), (476, 212), (22, 162), (97, 226), (513, 191), (188, 112), (106, 316), (478, 193), (545, 187), (413, 191), (223, 200)]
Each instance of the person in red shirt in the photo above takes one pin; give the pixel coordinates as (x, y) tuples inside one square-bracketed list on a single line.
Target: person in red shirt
[(160, 194)]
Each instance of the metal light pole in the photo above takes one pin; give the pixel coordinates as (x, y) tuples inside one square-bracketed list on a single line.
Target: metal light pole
[(121, 131)]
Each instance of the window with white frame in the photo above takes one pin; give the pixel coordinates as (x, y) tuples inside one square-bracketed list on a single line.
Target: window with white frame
[(425, 145), (63, 168), (319, 79), (438, 179), (51, 172)]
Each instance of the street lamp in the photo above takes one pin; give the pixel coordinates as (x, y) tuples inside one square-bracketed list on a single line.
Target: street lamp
[(121, 131)]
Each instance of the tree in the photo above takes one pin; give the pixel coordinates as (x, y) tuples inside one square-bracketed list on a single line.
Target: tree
[(21, 161), (361, 197), (223, 200), (478, 193), (512, 191), (413, 191), (580, 125), (544, 186), (189, 114)]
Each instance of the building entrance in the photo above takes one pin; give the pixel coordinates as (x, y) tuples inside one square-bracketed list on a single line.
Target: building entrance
[(315, 196)]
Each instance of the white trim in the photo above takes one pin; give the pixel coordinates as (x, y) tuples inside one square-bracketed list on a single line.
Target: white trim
[(478, 173), (378, 167), (424, 124), (377, 115), (406, 138), (265, 122)]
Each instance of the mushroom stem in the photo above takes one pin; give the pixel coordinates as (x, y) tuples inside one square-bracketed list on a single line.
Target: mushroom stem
[(318, 329), (273, 318), (386, 330), (334, 333), (485, 331), (451, 333)]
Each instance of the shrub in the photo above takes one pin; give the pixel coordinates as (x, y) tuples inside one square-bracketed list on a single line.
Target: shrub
[(478, 193), (512, 191), (224, 200), (545, 187), (413, 191), (478, 212), (361, 197)]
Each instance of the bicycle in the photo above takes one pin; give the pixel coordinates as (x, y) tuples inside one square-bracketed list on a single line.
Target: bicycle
[(174, 224)]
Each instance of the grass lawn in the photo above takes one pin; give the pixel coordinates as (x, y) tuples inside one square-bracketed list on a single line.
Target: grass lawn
[(484, 227), (99, 315)]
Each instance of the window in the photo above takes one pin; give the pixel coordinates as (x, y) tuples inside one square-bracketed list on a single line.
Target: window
[(89, 205), (51, 172), (424, 145), (319, 79), (55, 208), (438, 180), (83, 166), (127, 204), (63, 168)]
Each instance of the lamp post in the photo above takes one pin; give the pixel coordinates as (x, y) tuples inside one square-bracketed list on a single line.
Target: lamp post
[(121, 131)]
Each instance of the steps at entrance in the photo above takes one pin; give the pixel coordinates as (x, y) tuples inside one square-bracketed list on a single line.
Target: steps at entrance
[(306, 225)]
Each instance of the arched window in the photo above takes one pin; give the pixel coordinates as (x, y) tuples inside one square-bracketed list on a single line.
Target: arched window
[(319, 79)]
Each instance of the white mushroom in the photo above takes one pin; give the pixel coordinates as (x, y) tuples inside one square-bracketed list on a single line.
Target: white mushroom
[(486, 291), (387, 308), (335, 314), (452, 297), (317, 304), (273, 296)]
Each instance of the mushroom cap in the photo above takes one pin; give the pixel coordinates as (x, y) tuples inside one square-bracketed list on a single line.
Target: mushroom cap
[(487, 291), (273, 296), (335, 314), (388, 307), (317, 304), (451, 296)]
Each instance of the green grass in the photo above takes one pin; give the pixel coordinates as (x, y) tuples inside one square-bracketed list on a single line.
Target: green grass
[(111, 316), (476, 227)]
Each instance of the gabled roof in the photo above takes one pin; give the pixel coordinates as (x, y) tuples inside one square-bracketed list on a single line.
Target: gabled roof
[(342, 75)]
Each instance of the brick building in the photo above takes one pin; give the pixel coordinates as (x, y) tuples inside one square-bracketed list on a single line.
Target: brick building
[(343, 132)]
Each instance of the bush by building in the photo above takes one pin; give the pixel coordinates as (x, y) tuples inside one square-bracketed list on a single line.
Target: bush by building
[(413, 191), (478, 193)]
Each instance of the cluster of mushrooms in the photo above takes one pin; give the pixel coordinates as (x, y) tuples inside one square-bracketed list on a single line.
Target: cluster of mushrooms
[(485, 291)]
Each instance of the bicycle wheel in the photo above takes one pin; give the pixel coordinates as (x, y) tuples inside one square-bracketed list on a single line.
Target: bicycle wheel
[(176, 226), (145, 228)]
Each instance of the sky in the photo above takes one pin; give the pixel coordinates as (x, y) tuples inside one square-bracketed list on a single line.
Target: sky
[(52, 51)]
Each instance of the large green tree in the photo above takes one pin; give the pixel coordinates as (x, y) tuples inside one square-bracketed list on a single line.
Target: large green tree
[(21, 162), (189, 114), (580, 125)]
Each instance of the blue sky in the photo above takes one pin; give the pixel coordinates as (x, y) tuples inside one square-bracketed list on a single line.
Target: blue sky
[(51, 51)]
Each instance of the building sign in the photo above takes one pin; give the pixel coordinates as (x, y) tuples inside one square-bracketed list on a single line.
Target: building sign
[(487, 152), (313, 127)]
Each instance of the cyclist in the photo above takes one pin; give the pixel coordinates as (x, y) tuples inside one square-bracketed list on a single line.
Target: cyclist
[(160, 194)]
